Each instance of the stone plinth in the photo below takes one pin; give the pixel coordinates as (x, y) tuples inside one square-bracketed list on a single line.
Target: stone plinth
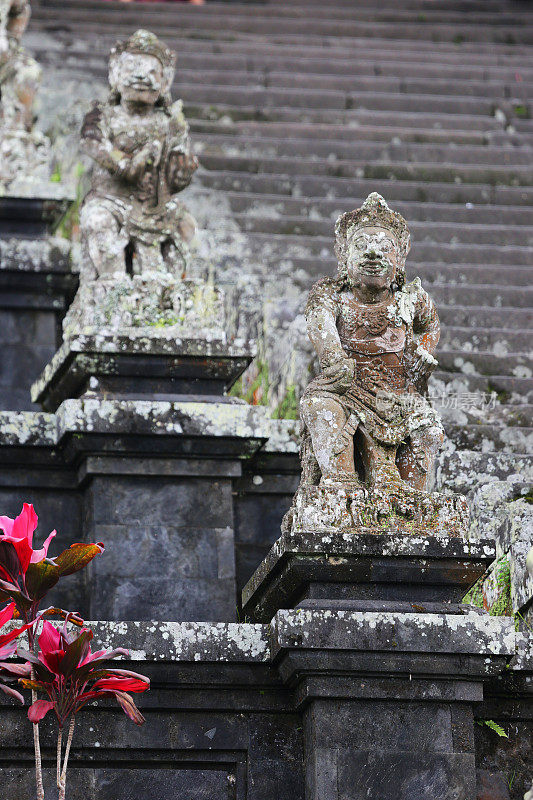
[(336, 508), (36, 286), (354, 569), (154, 481), (385, 663), (218, 723), (387, 698), (139, 365)]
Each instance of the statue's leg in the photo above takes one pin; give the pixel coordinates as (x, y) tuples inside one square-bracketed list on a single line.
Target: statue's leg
[(416, 458), (325, 418), (102, 243), (378, 460)]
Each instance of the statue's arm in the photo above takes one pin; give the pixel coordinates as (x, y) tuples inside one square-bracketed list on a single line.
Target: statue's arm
[(426, 324), (426, 334), (182, 163), (96, 142), (321, 316)]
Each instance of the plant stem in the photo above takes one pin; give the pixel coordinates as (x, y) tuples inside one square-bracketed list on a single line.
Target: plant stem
[(37, 748), (58, 758), (63, 785)]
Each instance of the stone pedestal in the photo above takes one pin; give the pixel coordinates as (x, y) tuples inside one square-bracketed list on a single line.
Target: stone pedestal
[(387, 698), (138, 366), (36, 286), (385, 663)]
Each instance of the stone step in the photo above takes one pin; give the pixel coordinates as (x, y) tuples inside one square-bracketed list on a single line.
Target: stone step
[(318, 208), (463, 471), (210, 22), (340, 133), (448, 171), (331, 188), (367, 68), (481, 317), (352, 118), (427, 232), (230, 144), (297, 97), (284, 246), (488, 438), (500, 341), (273, 11), (517, 365), (515, 391)]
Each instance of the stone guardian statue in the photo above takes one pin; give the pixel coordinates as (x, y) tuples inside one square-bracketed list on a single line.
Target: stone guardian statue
[(24, 151), (369, 433), (131, 220)]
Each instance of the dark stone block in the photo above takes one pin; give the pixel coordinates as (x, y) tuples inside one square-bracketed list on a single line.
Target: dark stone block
[(177, 502), (403, 776), (163, 597), (135, 782), (362, 566)]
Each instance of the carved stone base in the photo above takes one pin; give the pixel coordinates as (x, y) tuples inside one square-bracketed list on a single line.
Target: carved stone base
[(338, 507), (160, 302), (138, 366), (358, 570), (25, 159)]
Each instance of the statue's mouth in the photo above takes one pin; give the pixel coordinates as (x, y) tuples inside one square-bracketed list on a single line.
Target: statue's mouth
[(374, 267)]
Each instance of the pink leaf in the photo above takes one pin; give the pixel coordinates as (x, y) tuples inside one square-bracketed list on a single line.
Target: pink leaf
[(6, 614), (12, 693), (39, 710)]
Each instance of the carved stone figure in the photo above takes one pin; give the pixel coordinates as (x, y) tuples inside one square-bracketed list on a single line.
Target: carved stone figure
[(369, 435), (24, 151), (131, 221)]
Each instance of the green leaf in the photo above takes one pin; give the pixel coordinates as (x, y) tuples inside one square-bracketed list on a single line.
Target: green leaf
[(76, 557), (8, 592), (40, 578), (495, 727)]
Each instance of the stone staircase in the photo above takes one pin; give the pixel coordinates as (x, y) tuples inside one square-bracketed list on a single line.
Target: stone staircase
[(298, 110)]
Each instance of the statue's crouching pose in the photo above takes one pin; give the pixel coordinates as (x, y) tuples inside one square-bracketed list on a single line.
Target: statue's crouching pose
[(369, 435), (131, 221)]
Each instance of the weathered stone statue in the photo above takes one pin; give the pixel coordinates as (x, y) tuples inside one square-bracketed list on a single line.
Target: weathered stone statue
[(24, 151), (369, 435), (135, 232), (131, 220)]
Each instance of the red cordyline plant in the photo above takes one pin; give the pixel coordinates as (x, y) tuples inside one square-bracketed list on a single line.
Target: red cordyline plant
[(71, 675), (7, 648), (26, 575)]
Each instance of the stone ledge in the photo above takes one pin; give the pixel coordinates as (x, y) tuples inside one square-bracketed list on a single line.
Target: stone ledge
[(472, 634), (360, 557), (185, 641), (146, 361)]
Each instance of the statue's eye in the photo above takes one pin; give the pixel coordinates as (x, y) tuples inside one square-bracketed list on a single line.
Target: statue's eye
[(360, 243)]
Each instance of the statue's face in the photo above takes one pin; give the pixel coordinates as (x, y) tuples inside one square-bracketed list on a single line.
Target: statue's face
[(139, 78), (373, 257)]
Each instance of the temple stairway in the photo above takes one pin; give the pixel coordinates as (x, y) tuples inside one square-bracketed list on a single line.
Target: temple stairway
[(299, 109)]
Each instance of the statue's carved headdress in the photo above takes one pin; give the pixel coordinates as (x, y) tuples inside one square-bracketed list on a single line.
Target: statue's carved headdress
[(145, 43), (373, 212)]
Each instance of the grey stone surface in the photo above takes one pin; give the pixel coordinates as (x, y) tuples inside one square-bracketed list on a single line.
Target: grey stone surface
[(388, 567), (143, 364)]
